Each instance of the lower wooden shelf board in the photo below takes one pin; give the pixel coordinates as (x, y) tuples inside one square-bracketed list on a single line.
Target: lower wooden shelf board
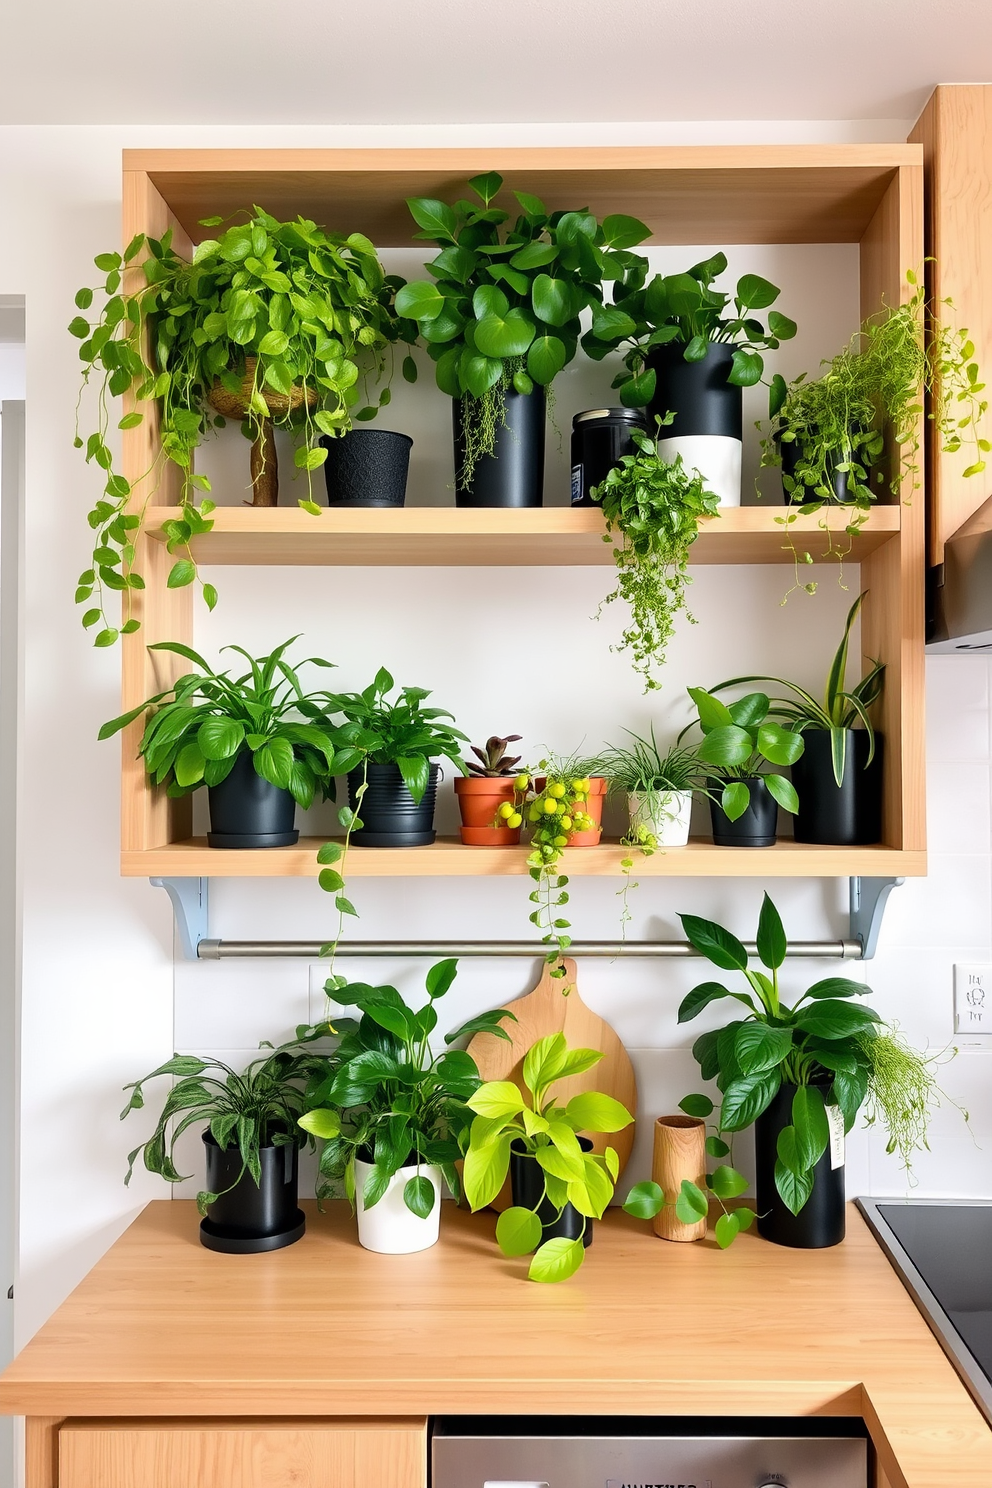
[(447, 857)]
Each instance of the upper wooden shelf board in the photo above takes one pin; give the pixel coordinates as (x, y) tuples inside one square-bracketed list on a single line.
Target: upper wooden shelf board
[(448, 858), (448, 537), (686, 194)]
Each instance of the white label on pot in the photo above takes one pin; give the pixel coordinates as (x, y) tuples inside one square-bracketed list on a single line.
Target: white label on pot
[(576, 484), (835, 1122)]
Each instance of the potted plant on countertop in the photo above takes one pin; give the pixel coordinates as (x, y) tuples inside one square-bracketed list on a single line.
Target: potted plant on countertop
[(687, 358), (270, 324), (654, 507), (501, 318), (250, 1138), (487, 795), (738, 742), (393, 1116), (658, 786), (838, 776), (559, 1184), (258, 743)]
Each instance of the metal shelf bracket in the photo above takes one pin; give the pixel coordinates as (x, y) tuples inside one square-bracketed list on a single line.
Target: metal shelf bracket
[(869, 897), (190, 904)]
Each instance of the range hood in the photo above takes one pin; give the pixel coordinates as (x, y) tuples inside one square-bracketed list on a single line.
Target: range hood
[(959, 605)]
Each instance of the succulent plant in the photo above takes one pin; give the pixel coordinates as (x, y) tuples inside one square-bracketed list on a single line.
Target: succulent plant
[(493, 759)]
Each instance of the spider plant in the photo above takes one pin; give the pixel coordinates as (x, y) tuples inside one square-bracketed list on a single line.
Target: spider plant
[(641, 768)]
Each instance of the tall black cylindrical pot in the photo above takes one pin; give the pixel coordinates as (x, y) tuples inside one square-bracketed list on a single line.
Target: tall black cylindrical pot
[(367, 467), (389, 815), (821, 1220), (708, 426), (527, 1186), (247, 811), (251, 1217), (844, 815), (756, 828), (513, 475)]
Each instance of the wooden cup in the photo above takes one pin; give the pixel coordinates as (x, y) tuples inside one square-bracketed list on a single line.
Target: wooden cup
[(679, 1152)]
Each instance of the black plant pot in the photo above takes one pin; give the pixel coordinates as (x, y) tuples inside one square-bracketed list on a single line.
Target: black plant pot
[(252, 1217), (367, 467), (820, 1222), (838, 815), (698, 393), (527, 1185), (513, 475), (247, 811), (389, 814), (791, 452), (600, 439), (756, 828)]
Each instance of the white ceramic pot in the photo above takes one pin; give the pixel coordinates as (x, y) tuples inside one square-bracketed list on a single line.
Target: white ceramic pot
[(665, 813), (389, 1226), (717, 457)]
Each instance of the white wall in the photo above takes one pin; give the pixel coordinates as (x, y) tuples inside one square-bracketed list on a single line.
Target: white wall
[(102, 999)]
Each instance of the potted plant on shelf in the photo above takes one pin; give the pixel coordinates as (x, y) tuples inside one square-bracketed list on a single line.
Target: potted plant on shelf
[(687, 358), (392, 1115), (738, 742), (258, 742), (800, 1074), (559, 1184), (655, 506), (501, 318), (487, 795), (838, 776), (250, 1138), (271, 324), (658, 786)]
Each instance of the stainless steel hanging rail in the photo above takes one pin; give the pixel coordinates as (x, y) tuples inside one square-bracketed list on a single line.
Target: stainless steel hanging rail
[(223, 950)]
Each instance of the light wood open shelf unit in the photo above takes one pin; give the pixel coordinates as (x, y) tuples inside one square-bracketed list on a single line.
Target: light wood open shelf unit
[(871, 195), (446, 537), (448, 858)]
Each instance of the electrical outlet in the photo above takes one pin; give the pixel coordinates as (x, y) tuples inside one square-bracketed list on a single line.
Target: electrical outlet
[(973, 999)]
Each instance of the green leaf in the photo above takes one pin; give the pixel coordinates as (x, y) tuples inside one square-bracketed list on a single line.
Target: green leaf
[(497, 1098), (793, 1189), (553, 300), (440, 977), (727, 1183), (556, 1260), (837, 987), (830, 1018), (782, 791), (644, 1201), (329, 852), (504, 337), (780, 746), (728, 747), (786, 1150), (715, 943), (274, 762), (485, 1170), (220, 738), (692, 1205), (480, 373), (330, 880), (487, 185), (746, 368), (532, 256), (755, 293), (420, 300), (761, 1046), (771, 941), (620, 231), (716, 1147), (699, 1106), (518, 1231), (593, 1111), (419, 1195), (745, 1099), (543, 1061), (809, 1120), (321, 1123), (727, 1229), (638, 391), (189, 765), (435, 217), (489, 300), (694, 1002), (545, 359), (79, 327), (735, 799), (182, 573)]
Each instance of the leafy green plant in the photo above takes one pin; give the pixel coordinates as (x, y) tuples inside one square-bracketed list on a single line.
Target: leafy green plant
[(841, 709), (389, 1099), (641, 768), (655, 507), (284, 304), (548, 1132), (738, 742), (504, 309), (492, 761), (686, 311), (692, 1203), (554, 812), (254, 1108), (400, 732)]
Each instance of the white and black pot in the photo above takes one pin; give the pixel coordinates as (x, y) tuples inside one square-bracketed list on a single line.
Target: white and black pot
[(247, 811), (389, 815), (390, 1226), (513, 475), (251, 1217), (708, 427), (757, 826), (367, 467), (845, 815)]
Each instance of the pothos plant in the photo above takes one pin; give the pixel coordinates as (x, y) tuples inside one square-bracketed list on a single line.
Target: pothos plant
[(264, 308), (503, 309), (738, 742), (655, 506)]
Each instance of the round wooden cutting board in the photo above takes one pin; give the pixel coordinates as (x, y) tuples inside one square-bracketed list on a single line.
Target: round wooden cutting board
[(548, 1010)]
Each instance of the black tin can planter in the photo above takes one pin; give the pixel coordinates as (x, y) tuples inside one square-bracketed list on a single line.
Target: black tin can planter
[(247, 811), (846, 815), (367, 467), (527, 1186), (821, 1221), (791, 452), (252, 1217), (390, 816), (513, 475), (600, 439), (708, 427), (756, 828)]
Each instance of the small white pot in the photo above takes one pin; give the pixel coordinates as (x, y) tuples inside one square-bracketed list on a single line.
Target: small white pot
[(665, 813), (389, 1226), (717, 457)]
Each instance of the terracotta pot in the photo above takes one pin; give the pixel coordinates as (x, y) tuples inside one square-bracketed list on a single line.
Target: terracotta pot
[(593, 808), (479, 799)]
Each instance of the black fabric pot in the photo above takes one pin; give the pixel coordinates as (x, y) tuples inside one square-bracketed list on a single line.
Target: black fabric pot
[(527, 1185), (845, 815), (367, 467), (513, 475), (252, 1216), (600, 439), (791, 451), (820, 1222), (698, 393), (247, 811), (390, 816), (756, 828)]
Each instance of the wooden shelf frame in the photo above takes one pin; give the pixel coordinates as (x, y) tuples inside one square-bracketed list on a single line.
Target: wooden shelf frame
[(871, 195)]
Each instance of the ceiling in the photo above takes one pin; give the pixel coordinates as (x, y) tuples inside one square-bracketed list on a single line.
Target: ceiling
[(482, 61)]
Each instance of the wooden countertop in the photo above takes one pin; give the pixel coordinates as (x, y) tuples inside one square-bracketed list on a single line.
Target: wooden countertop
[(163, 1327)]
